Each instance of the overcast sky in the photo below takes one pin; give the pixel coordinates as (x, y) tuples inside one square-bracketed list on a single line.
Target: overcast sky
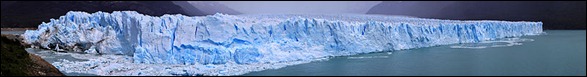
[(314, 7)]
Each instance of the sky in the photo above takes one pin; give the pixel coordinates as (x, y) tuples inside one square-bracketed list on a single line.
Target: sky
[(312, 7)]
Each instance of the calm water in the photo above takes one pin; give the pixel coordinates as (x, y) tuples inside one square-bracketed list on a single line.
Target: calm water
[(559, 52), (13, 32)]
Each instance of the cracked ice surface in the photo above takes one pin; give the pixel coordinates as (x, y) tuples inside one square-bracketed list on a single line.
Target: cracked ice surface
[(117, 65), (235, 40)]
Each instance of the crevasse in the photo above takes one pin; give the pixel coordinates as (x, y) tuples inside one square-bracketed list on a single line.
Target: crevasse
[(243, 39)]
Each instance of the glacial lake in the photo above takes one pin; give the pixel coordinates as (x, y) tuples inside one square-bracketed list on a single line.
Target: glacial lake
[(556, 53), (13, 32)]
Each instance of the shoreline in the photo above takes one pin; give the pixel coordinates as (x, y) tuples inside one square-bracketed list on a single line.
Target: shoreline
[(18, 62)]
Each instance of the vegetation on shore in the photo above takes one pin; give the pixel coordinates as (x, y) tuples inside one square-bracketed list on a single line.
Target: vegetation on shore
[(16, 61)]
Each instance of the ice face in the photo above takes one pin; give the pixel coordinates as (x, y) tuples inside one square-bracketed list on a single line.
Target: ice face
[(244, 39)]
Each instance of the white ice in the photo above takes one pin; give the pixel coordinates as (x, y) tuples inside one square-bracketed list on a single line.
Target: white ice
[(234, 40)]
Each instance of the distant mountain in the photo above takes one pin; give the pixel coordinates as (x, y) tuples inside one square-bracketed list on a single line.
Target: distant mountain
[(554, 14), (206, 7), (32, 13), (189, 9)]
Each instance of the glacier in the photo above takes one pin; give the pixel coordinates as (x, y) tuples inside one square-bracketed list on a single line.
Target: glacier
[(222, 39)]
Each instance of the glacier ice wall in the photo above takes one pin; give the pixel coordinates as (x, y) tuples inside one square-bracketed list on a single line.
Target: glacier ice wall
[(244, 39)]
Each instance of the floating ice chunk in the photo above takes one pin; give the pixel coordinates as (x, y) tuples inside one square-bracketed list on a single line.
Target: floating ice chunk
[(367, 57), (505, 42)]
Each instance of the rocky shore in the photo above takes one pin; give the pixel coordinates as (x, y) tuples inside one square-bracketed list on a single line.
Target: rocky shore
[(16, 61)]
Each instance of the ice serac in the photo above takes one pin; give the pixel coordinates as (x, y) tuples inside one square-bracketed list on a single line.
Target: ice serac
[(244, 39)]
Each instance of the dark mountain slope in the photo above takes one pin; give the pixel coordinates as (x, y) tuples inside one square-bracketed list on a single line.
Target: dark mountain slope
[(554, 14), (18, 14)]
